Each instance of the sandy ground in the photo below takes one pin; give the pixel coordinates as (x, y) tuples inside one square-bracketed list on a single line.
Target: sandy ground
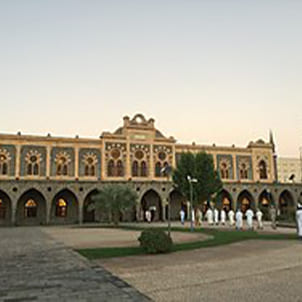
[(245, 271), (98, 237)]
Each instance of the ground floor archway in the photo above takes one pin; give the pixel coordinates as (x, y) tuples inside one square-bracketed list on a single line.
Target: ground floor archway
[(151, 201), (5, 209), (177, 202), (224, 200), (64, 208), (286, 206), (265, 201), (245, 201), (89, 208), (31, 208)]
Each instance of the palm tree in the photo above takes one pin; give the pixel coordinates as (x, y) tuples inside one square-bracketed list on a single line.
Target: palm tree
[(115, 199)]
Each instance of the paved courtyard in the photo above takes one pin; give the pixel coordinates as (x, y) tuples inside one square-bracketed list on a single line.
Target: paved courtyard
[(245, 271), (33, 267)]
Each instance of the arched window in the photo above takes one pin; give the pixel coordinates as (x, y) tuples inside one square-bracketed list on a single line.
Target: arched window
[(4, 169), (262, 170), (158, 169), (135, 169), (120, 168), (110, 168), (243, 172), (30, 208), (62, 166), (92, 170), (4, 159), (61, 208), (2, 209), (90, 161), (33, 163), (224, 171), (143, 169), (65, 170)]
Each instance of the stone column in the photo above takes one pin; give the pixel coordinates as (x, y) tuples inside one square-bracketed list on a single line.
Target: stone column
[(128, 164), (235, 176), (13, 212), (163, 206), (76, 162), (48, 160), (18, 160), (81, 204)]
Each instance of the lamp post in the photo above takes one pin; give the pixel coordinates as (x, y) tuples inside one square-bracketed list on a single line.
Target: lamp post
[(166, 170), (191, 180)]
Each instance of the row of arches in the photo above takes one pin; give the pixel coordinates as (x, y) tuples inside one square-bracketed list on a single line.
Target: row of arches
[(32, 207)]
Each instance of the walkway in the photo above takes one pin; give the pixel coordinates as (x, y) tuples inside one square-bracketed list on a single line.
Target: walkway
[(33, 267)]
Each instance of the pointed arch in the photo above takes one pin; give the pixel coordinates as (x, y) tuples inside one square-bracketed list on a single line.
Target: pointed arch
[(158, 169), (177, 202), (152, 201), (143, 169), (5, 208), (135, 169), (89, 209), (224, 200), (245, 201), (265, 200), (64, 208), (286, 205), (31, 208), (262, 169)]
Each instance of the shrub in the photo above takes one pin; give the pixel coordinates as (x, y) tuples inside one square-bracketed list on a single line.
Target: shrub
[(155, 241)]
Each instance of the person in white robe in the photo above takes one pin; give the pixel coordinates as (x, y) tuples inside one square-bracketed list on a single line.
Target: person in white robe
[(198, 216), (182, 216), (148, 216), (223, 216), (231, 216), (239, 220), (209, 216), (249, 218), (259, 216), (216, 216), (299, 220)]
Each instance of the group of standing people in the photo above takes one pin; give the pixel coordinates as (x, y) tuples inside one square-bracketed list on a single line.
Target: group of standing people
[(216, 217)]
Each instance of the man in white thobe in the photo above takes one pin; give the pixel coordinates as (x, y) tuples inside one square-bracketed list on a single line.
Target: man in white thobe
[(182, 216), (259, 216), (239, 221), (299, 220), (231, 216), (148, 216), (223, 216), (216, 216), (249, 218), (209, 216)]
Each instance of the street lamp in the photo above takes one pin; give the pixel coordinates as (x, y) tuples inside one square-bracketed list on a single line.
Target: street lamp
[(191, 180), (166, 171)]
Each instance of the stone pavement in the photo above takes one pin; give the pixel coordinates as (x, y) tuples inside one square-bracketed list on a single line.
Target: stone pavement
[(33, 267), (247, 271)]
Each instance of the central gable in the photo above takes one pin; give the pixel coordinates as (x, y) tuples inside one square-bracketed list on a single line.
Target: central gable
[(138, 129)]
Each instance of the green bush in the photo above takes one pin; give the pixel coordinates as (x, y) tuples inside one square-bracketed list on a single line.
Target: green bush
[(155, 241)]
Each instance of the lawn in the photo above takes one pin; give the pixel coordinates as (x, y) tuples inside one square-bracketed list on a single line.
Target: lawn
[(219, 237)]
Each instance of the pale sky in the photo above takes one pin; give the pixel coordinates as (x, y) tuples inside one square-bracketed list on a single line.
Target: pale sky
[(213, 71)]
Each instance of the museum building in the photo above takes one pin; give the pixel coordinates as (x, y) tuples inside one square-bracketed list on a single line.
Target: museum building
[(50, 180)]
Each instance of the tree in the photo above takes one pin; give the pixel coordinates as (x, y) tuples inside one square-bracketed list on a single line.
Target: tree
[(115, 199), (201, 167)]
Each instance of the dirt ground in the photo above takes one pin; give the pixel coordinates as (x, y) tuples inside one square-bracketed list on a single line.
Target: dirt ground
[(104, 237)]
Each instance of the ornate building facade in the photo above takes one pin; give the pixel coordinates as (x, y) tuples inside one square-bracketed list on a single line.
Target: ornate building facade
[(50, 180)]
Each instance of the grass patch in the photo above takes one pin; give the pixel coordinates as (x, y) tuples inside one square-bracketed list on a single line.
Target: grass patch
[(219, 237)]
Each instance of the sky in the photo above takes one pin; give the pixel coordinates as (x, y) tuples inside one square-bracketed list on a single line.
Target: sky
[(208, 71)]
